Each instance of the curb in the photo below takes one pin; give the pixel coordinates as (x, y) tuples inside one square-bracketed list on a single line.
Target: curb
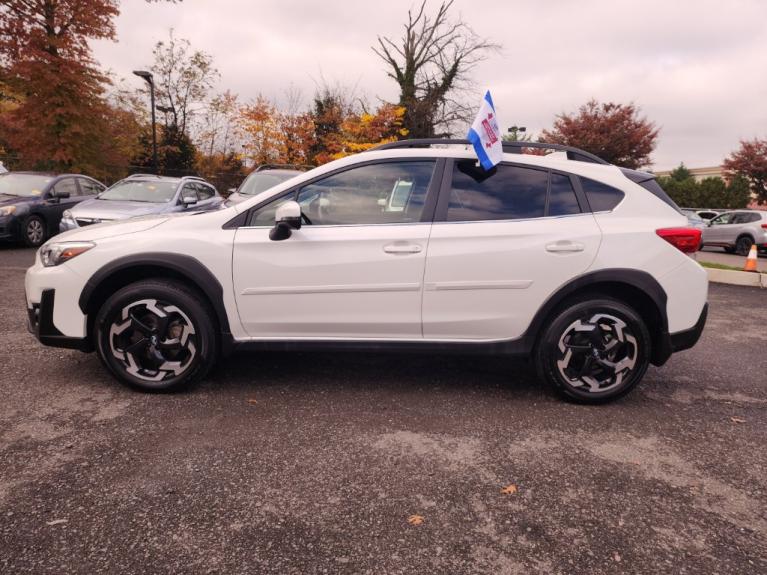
[(737, 278)]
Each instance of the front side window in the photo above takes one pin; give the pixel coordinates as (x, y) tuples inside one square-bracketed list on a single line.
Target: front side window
[(204, 192), (66, 186), (723, 219), (601, 197), (504, 193), (386, 193)]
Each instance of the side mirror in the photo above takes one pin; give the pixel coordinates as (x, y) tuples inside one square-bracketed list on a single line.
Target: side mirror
[(189, 199), (56, 195), (230, 191), (287, 219)]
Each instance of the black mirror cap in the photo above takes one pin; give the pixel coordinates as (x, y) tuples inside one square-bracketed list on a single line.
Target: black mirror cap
[(281, 231), (63, 195)]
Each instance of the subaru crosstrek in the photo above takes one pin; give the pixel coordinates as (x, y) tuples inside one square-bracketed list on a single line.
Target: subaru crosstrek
[(581, 265)]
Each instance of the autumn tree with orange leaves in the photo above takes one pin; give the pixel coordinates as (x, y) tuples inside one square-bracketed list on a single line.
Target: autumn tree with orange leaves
[(750, 162)]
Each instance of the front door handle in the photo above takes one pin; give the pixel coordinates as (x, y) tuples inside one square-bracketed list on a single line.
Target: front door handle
[(402, 248), (565, 246)]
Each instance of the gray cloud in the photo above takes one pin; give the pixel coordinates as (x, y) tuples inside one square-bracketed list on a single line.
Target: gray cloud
[(696, 68)]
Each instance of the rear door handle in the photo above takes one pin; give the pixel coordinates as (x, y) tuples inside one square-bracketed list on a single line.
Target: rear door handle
[(565, 246), (402, 248)]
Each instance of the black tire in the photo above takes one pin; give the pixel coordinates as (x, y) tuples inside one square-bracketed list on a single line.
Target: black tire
[(34, 231), (584, 340), (164, 331), (743, 245)]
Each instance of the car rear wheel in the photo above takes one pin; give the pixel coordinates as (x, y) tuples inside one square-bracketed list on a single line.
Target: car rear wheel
[(34, 232), (156, 335), (594, 350), (743, 245)]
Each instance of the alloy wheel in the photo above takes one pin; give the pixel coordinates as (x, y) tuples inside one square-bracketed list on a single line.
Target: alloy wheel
[(153, 340), (35, 231), (597, 353)]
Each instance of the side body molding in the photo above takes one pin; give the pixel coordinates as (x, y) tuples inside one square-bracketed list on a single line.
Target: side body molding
[(180, 265)]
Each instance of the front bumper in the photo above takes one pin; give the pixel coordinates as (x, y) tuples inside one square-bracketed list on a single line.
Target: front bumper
[(40, 324)]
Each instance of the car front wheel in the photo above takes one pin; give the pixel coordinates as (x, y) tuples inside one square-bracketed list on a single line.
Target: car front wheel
[(156, 335), (33, 231), (594, 350)]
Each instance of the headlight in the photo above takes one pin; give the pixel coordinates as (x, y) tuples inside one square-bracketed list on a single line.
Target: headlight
[(7, 210), (67, 215), (55, 254)]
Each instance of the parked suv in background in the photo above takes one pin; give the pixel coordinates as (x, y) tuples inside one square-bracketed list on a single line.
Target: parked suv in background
[(31, 203), (263, 178), (579, 264), (737, 231), (141, 195)]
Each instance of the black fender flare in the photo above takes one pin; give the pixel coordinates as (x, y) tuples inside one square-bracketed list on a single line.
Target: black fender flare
[(616, 277), (183, 265)]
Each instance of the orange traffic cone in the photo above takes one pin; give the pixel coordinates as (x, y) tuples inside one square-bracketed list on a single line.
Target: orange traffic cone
[(751, 260)]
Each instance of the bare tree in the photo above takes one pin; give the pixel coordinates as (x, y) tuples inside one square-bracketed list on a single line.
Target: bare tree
[(183, 80), (431, 64)]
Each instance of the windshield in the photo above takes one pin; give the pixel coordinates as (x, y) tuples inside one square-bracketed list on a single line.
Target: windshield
[(258, 182), (141, 191), (23, 185)]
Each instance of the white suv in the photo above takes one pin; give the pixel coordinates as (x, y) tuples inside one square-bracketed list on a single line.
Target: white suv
[(579, 264)]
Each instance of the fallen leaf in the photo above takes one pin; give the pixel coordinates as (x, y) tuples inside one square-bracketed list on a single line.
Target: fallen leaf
[(253, 401), (737, 420), (509, 489), (415, 519), (56, 522)]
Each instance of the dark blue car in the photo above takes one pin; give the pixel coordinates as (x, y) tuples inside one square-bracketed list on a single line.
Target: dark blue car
[(31, 203)]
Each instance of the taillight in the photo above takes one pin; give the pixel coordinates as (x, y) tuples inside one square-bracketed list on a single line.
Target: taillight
[(686, 240), (764, 226)]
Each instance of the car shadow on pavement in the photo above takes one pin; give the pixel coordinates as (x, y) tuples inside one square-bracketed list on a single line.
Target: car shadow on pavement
[(360, 370)]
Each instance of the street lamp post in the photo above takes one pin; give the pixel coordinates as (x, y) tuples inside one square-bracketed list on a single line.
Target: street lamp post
[(147, 76), (515, 130)]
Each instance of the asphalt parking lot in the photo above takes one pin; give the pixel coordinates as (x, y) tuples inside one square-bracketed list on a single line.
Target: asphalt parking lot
[(315, 463)]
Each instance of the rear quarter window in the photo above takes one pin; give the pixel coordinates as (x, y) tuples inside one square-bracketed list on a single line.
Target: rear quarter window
[(601, 197)]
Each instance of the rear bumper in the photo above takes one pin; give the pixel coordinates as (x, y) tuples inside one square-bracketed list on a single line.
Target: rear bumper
[(686, 339), (40, 324)]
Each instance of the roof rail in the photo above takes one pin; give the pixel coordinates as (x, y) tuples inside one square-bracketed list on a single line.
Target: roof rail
[(508, 147), (283, 167), (193, 178), (139, 175)]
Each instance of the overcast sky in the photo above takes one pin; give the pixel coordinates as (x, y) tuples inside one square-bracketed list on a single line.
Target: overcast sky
[(698, 69)]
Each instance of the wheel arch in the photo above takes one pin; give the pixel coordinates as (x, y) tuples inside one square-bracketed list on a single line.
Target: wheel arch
[(635, 288), (130, 269)]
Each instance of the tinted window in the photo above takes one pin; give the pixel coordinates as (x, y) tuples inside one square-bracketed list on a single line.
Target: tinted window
[(504, 193), (601, 197), (754, 218), (89, 187), (67, 185), (562, 199), (391, 192)]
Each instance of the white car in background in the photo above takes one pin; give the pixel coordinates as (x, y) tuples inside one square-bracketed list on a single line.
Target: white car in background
[(579, 264)]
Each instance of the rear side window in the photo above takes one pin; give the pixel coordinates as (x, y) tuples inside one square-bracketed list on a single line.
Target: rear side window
[(601, 197), (562, 199), (504, 193)]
